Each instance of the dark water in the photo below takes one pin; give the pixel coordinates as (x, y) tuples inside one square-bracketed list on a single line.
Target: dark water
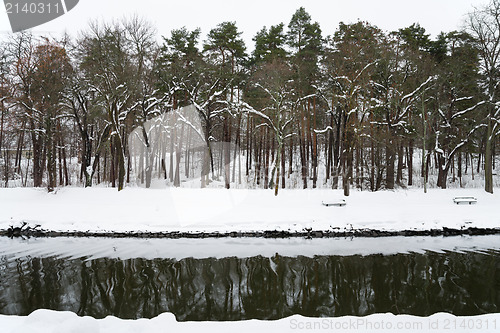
[(256, 287)]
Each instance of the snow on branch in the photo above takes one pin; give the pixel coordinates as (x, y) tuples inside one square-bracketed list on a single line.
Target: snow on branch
[(263, 116), (414, 92), (461, 113), (328, 128), (365, 68), (268, 92), (190, 124), (468, 98)]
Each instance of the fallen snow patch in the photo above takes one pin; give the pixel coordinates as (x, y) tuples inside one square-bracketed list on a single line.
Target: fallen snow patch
[(42, 321)]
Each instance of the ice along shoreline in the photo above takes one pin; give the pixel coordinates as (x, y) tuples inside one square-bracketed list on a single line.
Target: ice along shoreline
[(444, 232)]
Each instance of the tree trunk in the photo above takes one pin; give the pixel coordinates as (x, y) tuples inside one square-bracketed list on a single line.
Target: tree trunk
[(249, 147), (314, 146), (399, 174), (121, 163), (6, 170), (372, 167), (266, 159), (361, 167), (488, 171), (303, 152), (178, 151), (346, 181), (205, 169), (472, 166), (459, 172), (278, 166), (283, 165), (389, 153), (19, 154), (329, 154), (410, 163), (112, 167), (226, 148), (149, 159), (59, 151), (258, 157), (65, 166), (336, 154), (442, 173), (38, 157), (357, 165), (171, 165), (236, 147), (347, 159), (188, 154)]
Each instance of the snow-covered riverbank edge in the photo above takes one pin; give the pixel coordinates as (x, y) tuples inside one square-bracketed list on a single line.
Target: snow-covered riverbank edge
[(171, 210), (41, 321)]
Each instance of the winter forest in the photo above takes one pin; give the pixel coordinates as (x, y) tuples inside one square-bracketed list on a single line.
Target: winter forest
[(355, 108)]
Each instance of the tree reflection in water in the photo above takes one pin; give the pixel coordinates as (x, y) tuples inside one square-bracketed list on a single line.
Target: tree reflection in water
[(254, 288)]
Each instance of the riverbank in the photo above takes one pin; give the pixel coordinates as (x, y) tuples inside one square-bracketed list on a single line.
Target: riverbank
[(177, 212)]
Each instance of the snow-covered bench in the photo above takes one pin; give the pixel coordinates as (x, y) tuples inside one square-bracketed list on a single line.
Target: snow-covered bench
[(337, 203), (465, 200)]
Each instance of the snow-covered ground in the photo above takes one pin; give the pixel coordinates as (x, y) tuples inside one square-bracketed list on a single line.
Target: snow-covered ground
[(220, 210), (52, 321), (209, 210)]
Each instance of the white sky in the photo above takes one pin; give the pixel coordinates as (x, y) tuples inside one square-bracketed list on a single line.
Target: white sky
[(251, 15)]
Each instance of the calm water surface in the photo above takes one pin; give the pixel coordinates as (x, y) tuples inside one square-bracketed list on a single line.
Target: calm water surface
[(256, 287)]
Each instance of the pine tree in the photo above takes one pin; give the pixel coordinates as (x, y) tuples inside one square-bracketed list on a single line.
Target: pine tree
[(269, 44), (225, 49), (305, 40)]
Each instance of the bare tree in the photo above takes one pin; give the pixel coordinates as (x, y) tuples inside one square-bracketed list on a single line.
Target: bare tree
[(115, 58), (484, 25)]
